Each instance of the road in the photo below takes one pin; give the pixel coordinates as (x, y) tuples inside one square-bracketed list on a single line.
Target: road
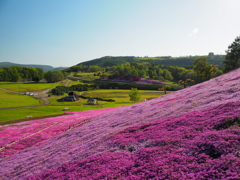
[(41, 94)]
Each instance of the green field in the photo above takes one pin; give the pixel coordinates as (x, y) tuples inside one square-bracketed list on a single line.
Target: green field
[(16, 100), (28, 86), (56, 107), (74, 83)]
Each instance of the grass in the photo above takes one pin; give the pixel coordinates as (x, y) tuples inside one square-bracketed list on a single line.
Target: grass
[(7, 115), (28, 86), (120, 96), (24, 113), (74, 83), (15, 100)]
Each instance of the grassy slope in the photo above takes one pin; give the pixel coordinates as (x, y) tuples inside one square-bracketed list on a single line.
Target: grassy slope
[(15, 100), (28, 87)]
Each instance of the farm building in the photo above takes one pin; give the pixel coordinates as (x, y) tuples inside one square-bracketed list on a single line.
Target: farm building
[(92, 101), (71, 97)]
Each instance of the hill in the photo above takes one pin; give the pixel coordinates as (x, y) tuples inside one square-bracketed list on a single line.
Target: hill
[(164, 60), (43, 67), (192, 133)]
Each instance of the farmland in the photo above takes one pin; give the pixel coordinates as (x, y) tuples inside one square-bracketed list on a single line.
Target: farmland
[(188, 134)]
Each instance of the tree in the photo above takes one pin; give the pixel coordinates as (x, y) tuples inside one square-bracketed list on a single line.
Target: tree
[(204, 69), (54, 76), (232, 59), (165, 88), (185, 82), (167, 74), (134, 94)]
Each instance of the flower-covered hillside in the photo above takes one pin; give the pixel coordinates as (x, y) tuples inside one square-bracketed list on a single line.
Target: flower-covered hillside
[(18, 136), (193, 133)]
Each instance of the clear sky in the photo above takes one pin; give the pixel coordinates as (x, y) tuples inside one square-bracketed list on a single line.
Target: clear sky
[(67, 32)]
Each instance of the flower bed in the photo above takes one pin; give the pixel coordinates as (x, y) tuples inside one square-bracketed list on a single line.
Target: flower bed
[(184, 147), (15, 137), (149, 81), (189, 134)]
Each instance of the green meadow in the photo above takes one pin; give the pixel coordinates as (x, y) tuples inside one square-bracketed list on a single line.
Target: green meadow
[(56, 106), (8, 100), (28, 86)]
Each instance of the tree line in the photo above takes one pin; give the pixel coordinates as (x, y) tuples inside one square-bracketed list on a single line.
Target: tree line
[(17, 73)]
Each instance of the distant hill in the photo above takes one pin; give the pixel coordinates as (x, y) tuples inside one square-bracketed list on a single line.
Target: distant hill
[(44, 67), (59, 68), (164, 60)]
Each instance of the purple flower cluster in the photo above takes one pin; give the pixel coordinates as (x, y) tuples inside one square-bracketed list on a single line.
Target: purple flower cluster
[(15, 137), (150, 81), (193, 133)]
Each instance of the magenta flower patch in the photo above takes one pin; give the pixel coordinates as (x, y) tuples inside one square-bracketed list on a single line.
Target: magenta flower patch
[(192, 133)]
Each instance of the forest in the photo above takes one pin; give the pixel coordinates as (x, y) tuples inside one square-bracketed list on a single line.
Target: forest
[(17, 73), (141, 69), (108, 61)]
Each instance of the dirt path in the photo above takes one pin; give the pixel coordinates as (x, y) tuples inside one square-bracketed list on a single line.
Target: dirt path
[(42, 95)]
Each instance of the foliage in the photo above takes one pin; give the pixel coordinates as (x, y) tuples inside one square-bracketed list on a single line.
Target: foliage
[(165, 88), (185, 82), (43, 67), (129, 85), (84, 68), (98, 98), (54, 76), (134, 68), (108, 61), (16, 73), (232, 59), (60, 90), (134, 94), (205, 70)]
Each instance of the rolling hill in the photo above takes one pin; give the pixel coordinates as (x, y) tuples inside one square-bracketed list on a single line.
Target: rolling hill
[(44, 67), (108, 61), (193, 133)]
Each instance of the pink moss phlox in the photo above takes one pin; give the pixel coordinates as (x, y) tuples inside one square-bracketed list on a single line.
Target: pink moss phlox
[(15, 133), (184, 147), (195, 137)]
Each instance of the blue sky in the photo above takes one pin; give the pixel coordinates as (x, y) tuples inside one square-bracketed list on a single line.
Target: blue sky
[(67, 32)]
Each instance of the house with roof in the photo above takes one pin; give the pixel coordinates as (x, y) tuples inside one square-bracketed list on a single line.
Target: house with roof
[(72, 96)]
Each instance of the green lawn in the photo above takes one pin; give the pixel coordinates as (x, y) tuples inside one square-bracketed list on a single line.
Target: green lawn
[(15, 100), (24, 113), (28, 86)]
